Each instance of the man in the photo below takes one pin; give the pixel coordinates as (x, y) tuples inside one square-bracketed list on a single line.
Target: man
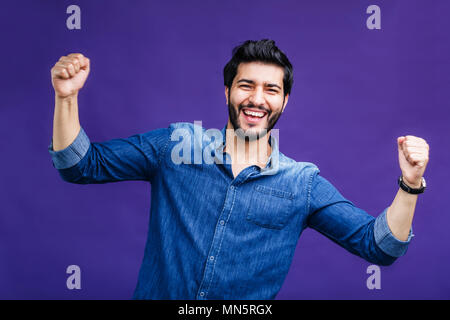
[(228, 228)]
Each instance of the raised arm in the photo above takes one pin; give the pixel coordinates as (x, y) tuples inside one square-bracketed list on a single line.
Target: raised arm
[(68, 76), (351, 227), (379, 240), (81, 161), (413, 159)]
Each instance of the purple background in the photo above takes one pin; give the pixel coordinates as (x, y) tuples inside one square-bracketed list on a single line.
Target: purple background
[(156, 62)]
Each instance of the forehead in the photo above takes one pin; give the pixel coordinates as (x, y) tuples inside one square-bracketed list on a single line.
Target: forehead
[(260, 72)]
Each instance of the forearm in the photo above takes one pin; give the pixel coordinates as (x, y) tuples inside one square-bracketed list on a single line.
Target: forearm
[(66, 124), (400, 214)]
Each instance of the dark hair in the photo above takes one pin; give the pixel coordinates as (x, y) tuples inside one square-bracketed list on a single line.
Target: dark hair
[(264, 51)]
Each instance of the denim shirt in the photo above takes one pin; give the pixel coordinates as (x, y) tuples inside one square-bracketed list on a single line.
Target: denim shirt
[(215, 236)]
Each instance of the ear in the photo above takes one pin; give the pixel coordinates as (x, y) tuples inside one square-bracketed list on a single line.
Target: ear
[(286, 98), (226, 93)]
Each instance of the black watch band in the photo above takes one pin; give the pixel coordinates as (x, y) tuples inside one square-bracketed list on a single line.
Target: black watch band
[(410, 190)]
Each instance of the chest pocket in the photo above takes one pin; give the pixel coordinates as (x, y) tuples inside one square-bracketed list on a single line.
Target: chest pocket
[(269, 207)]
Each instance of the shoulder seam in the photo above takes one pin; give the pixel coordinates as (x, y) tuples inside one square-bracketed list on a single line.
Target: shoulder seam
[(311, 177), (164, 150)]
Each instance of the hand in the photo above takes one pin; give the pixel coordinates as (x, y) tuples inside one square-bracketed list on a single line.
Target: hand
[(413, 159), (69, 74)]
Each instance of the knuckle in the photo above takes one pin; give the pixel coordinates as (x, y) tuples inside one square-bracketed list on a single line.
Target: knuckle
[(76, 55)]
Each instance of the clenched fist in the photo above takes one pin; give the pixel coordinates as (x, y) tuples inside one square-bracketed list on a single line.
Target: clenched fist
[(413, 156), (69, 74)]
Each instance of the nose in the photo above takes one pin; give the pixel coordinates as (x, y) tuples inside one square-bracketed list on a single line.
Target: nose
[(257, 97)]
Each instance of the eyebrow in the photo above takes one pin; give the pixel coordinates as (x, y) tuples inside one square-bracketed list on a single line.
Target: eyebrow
[(270, 85)]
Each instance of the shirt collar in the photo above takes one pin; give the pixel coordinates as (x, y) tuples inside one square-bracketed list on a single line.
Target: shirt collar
[(274, 158)]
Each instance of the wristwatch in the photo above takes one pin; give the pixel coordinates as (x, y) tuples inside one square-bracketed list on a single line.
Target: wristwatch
[(410, 190)]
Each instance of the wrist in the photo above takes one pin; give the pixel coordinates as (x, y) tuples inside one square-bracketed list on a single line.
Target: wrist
[(412, 188), (67, 98), (413, 184), (67, 105)]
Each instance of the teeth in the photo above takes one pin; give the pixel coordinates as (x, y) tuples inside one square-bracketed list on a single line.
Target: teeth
[(254, 114)]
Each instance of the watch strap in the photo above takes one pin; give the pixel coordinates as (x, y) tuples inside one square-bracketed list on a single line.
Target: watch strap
[(410, 190)]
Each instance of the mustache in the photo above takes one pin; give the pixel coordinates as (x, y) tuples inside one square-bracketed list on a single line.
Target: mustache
[(250, 105)]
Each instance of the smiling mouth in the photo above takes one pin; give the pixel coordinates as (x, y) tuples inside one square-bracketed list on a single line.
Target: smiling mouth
[(253, 116)]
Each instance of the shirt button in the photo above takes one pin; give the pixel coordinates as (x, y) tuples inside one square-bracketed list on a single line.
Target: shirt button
[(211, 258), (202, 294), (232, 188), (222, 222)]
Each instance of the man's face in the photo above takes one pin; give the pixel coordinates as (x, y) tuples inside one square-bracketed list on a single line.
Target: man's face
[(255, 101)]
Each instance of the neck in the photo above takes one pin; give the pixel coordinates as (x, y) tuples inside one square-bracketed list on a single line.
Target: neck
[(244, 152)]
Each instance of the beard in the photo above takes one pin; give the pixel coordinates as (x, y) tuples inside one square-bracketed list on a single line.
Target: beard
[(251, 135)]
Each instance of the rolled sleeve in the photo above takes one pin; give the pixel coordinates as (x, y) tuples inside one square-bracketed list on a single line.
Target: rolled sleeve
[(386, 240), (72, 154)]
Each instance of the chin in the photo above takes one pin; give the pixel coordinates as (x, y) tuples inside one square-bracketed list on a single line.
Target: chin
[(251, 133)]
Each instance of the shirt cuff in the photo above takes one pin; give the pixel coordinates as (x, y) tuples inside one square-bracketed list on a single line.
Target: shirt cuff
[(385, 239), (72, 154)]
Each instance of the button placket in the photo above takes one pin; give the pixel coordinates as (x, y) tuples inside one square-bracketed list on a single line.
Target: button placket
[(216, 244)]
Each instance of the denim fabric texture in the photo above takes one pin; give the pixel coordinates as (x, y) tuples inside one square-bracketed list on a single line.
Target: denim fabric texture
[(215, 236)]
